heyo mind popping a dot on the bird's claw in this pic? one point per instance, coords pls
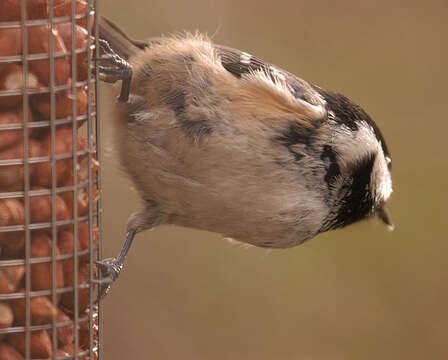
(111, 68)
(109, 271)
(110, 63)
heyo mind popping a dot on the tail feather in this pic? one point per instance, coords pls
(119, 41)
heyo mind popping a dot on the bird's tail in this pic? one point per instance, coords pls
(119, 41)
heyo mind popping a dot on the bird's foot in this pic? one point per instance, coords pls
(111, 68)
(109, 271)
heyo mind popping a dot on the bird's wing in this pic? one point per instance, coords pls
(295, 94)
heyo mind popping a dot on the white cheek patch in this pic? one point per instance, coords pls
(381, 176)
(355, 145)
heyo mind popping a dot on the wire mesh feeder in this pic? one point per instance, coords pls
(49, 180)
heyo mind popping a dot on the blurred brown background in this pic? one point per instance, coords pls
(357, 293)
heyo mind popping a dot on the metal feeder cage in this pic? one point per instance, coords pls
(50, 225)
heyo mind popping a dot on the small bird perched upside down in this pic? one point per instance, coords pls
(216, 139)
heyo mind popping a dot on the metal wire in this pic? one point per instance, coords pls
(26, 191)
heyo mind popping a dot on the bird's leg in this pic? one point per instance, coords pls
(111, 68)
(110, 268)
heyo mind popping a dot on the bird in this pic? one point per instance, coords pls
(216, 139)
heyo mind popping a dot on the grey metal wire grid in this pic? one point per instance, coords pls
(25, 193)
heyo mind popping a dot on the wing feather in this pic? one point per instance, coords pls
(265, 80)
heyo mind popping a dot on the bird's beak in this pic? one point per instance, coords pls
(384, 216)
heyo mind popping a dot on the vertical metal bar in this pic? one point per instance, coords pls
(26, 168)
(75, 182)
(53, 170)
(99, 175)
(90, 180)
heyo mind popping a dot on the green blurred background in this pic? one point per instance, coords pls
(356, 293)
